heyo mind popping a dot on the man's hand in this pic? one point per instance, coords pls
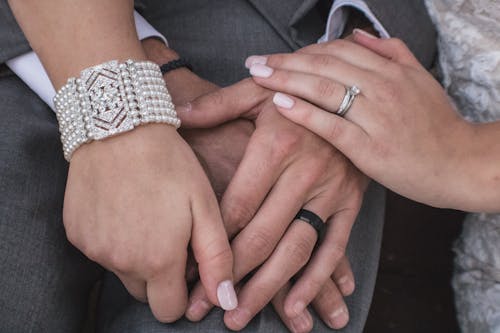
(285, 168)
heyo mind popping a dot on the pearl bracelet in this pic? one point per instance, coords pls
(110, 99)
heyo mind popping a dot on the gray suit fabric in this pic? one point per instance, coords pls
(44, 282)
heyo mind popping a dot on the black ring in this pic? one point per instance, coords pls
(312, 219)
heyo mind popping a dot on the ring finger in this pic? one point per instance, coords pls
(323, 92)
(291, 254)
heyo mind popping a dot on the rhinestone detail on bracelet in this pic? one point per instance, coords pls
(110, 99)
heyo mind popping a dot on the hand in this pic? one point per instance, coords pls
(132, 204)
(220, 150)
(306, 171)
(401, 130)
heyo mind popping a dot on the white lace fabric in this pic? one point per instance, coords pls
(469, 59)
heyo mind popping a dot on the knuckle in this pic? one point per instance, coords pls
(327, 89)
(259, 244)
(237, 212)
(388, 91)
(324, 60)
(155, 263)
(337, 252)
(94, 252)
(396, 71)
(284, 142)
(216, 98)
(276, 60)
(217, 253)
(334, 131)
(299, 252)
(120, 261)
(340, 44)
(313, 285)
(397, 43)
(282, 78)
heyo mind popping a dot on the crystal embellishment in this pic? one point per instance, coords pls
(110, 99)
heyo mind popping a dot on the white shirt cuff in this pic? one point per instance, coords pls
(29, 68)
(338, 17)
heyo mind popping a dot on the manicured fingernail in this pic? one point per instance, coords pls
(227, 296)
(197, 309)
(240, 317)
(301, 323)
(364, 33)
(283, 101)
(299, 307)
(261, 71)
(252, 60)
(339, 318)
(346, 285)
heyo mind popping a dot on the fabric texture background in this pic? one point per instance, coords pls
(469, 58)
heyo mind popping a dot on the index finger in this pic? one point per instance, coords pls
(238, 100)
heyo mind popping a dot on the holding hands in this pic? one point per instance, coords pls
(285, 168)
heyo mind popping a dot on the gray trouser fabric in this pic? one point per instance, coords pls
(44, 281)
(217, 38)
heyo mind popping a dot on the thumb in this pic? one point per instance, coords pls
(212, 251)
(238, 100)
(392, 48)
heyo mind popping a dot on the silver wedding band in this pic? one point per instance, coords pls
(348, 100)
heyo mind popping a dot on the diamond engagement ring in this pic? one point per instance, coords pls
(349, 97)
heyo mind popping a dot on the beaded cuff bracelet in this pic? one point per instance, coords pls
(110, 99)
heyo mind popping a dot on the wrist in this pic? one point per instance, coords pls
(145, 140)
(157, 51)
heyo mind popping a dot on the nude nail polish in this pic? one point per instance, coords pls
(364, 33)
(227, 295)
(283, 101)
(253, 60)
(259, 70)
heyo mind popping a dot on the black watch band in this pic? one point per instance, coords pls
(175, 64)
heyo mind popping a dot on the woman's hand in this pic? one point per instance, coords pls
(133, 203)
(401, 130)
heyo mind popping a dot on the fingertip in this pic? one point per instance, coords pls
(363, 35)
(294, 308)
(339, 318)
(347, 286)
(283, 101)
(302, 323)
(253, 60)
(237, 319)
(197, 310)
(226, 295)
